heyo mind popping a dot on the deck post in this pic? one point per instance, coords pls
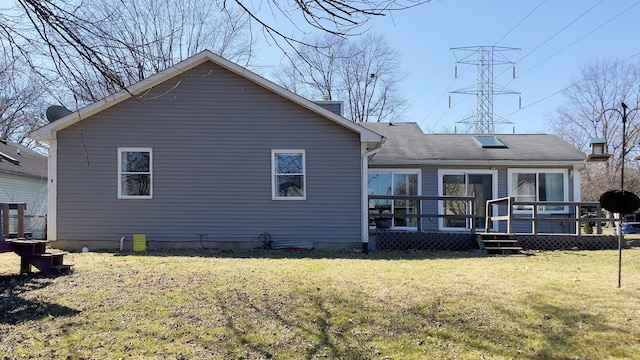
(534, 224)
(419, 217)
(25, 266)
(5, 220)
(510, 213)
(578, 222)
(20, 221)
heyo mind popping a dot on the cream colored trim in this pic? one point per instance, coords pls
(52, 191)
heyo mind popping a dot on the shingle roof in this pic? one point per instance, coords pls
(407, 144)
(20, 160)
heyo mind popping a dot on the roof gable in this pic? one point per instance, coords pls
(48, 131)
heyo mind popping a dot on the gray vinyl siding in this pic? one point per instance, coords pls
(212, 133)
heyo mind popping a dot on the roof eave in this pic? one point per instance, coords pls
(503, 163)
(48, 131)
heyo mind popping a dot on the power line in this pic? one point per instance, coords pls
(580, 38)
(561, 30)
(566, 47)
(520, 22)
(570, 86)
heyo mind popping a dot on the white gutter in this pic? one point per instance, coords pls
(365, 194)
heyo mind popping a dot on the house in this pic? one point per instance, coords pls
(207, 154)
(527, 167)
(23, 179)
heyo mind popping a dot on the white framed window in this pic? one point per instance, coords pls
(479, 183)
(394, 182)
(289, 181)
(539, 185)
(135, 173)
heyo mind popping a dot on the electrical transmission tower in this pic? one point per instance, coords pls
(485, 58)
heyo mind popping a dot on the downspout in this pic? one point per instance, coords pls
(365, 196)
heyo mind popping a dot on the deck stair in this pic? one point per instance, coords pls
(34, 253)
(499, 244)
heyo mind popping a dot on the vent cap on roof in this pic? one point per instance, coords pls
(55, 112)
(9, 158)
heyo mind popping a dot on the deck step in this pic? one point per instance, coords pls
(503, 247)
(59, 269)
(33, 253)
(23, 241)
(502, 244)
(45, 255)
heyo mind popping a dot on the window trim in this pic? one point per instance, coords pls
(393, 171)
(274, 182)
(122, 150)
(537, 171)
(465, 172)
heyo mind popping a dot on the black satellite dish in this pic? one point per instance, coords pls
(624, 202)
(55, 112)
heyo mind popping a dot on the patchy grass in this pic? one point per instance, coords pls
(260, 305)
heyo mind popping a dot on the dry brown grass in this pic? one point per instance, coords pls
(260, 305)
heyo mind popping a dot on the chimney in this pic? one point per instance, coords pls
(333, 106)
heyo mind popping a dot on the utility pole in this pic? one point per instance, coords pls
(485, 58)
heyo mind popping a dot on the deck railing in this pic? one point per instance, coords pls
(529, 211)
(501, 209)
(469, 208)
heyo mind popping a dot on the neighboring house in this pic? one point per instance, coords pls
(207, 153)
(23, 179)
(528, 167)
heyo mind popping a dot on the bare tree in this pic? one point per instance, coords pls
(76, 38)
(588, 114)
(364, 72)
(20, 102)
(97, 47)
(100, 47)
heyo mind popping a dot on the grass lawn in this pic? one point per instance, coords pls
(307, 305)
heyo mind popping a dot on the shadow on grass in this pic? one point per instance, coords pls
(565, 328)
(549, 331)
(323, 331)
(15, 308)
(324, 324)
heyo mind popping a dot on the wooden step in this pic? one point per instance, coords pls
(34, 253)
(46, 255)
(501, 244)
(28, 246)
(59, 269)
(495, 242)
(23, 241)
(503, 247)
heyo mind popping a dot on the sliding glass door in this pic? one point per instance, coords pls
(480, 184)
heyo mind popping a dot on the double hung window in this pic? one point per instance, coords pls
(135, 176)
(288, 178)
